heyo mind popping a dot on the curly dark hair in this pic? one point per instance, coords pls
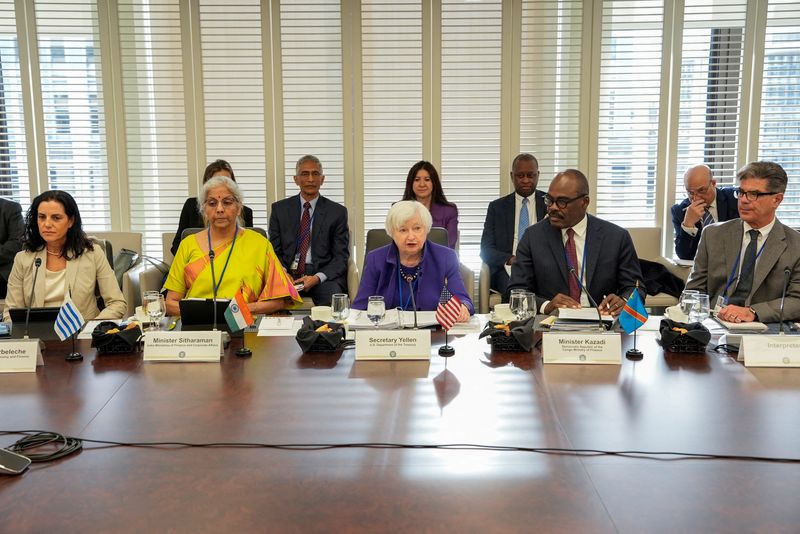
(77, 241)
(438, 194)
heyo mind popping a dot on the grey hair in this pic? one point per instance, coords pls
(220, 181)
(402, 211)
(773, 173)
(305, 159)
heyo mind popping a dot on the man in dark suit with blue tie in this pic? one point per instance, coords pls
(705, 205)
(571, 245)
(310, 235)
(508, 217)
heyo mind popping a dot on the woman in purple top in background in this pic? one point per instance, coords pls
(424, 186)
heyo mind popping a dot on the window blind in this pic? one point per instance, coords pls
(72, 103)
(630, 77)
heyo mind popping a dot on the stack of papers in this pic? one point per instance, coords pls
(393, 319)
(279, 326)
(578, 319)
(754, 326)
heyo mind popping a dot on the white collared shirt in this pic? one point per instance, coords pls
(763, 233)
(580, 245)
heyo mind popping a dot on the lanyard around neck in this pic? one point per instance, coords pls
(221, 276)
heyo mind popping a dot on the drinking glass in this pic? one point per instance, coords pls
(340, 306)
(700, 309)
(376, 309)
(688, 298)
(530, 304)
(518, 304)
(154, 305)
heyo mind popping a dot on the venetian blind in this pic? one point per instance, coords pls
(710, 89)
(155, 124)
(14, 179)
(391, 65)
(471, 76)
(779, 135)
(72, 103)
(311, 58)
(550, 84)
(230, 36)
(630, 77)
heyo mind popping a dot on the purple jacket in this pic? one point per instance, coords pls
(380, 277)
(446, 217)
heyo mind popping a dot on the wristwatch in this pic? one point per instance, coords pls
(755, 315)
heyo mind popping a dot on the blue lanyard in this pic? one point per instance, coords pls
(745, 268)
(583, 263)
(400, 288)
(221, 276)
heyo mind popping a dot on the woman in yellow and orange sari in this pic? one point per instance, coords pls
(243, 259)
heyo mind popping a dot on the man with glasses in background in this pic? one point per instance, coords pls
(743, 264)
(705, 205)
(508, 217)
(311, 237)
(571, 245)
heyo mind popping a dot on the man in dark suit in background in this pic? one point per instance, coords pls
(506, 220)
(310, 235)
(571, 245)
(705, 205)
(11, 228)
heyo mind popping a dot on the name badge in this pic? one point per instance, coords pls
(20, 356)
(393, 345)
(577, 347)
(770, 351)
(183, 346)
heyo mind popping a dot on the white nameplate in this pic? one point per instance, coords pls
(770, 351)
(582, 347)
(393, 345)
(20, 356)
(183, 346)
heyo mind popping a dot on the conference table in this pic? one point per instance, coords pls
(496, 405)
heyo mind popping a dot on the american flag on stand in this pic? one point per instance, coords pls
(449, 308)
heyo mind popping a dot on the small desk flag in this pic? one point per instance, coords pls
(449, 308)
(237, 314)
(69, 320)
(633, 313)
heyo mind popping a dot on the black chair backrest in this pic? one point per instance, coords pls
(377, 237)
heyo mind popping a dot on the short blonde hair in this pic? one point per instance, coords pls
(402, 211)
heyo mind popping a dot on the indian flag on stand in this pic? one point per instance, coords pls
(238, 314)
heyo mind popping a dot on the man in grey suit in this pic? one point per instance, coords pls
(743, 263)
(506, 221)
(310, 235)
(570, 245)
(11, 228)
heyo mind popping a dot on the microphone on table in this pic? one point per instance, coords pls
(786, 273)
(413, 300)
(591, 300)
(38, 263)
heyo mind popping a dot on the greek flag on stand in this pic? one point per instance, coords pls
(69, 320)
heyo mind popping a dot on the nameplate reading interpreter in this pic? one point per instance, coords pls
(582, 347)
(770, 351)
(393, 345)
(183, 346)
(20, 356)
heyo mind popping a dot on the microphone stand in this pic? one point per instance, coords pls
(786, 273)
(591, 300)
(414, 304)
(38, 263)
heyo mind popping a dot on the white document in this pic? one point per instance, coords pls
(753, 326)
(393, 319)
(279, 326)
(582, 314)
(470, 327)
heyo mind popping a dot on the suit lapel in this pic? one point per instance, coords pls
(773, 248)
(556, 246)
(731, 249)
(592, 246)
(508, 213)
(73, 268)
(40, 291)
(317, 224)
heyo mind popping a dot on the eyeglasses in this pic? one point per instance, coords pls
(227, 203)
(698, 191)
(529, 175)
(752, 196)
(310, 174)
(561, 202)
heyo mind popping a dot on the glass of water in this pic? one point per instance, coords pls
(688, 298)
(376, 309)
(517, 303)
(340, 306)
(156, 308)
(530, 304)
(700, 309)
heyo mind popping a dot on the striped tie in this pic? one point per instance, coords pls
(708, 219)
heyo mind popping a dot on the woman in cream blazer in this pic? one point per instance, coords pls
(69, 262)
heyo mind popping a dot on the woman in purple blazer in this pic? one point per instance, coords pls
(424, 186)
(411, 263)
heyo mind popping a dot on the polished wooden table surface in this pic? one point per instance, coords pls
(683, 403)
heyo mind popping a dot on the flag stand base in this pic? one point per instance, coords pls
(74, 357)
(244, 352)
(445, 351)
(634, 354)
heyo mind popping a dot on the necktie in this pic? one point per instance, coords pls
(707, 218)
(572, 257)
(305, 239)
(746, 272)
(524, 219)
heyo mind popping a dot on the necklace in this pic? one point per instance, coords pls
(409, 273)
(52, 253)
